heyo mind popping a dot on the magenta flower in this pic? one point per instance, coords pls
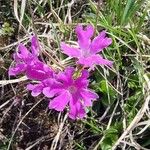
(37, 89)
(70, 91)
(27, 62)
(87, 51)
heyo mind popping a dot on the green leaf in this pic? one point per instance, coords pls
(111, 135)
(129, 5)
(109, 94)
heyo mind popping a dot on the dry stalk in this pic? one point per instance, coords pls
(108, 126)
(68, 16)
(11, 139)
(137, 118)
(56, 139)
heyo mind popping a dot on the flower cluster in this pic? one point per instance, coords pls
(68, 88)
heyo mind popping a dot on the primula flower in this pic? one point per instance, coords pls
(29, 63)
(88, 49)
(70, 91)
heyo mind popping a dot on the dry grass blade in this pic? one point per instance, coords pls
(144, 38)
(68, 16)
(56, 139)
(146, 123)
(23, 4)
(13, 44)
(37, 142)
(5, 82)
(137, 118)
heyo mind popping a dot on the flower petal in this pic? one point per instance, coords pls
(19, 68)
(82, 81)
(66, 76)
(35, 88)
(48, 92)
(84, 36)
(94, 60)
(34, 46)
(81, 111)
(88, 96)
(76, 110)
(38, 71)
(102, 61)
(30, 86)
(99, 43)
(22, 53)
(35, 74)
(60, 102)
(70, 51)
(36, 92)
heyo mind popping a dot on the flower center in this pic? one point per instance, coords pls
(72, 89)
(86, 53)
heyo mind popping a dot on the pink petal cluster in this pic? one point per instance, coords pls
(27, 62)
(87, 51)
(65, 89)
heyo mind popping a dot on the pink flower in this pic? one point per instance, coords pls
(38, 88)
(27, 62)
(72, 92)
(88, 49)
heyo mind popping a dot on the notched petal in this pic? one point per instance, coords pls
(100, 42)
(60, 102)
(70, 51)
